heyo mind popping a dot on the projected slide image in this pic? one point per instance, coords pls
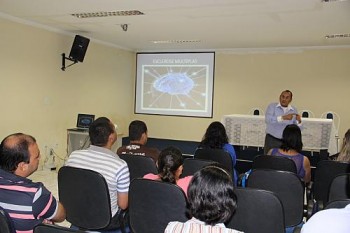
(175, 87)
(175, 84)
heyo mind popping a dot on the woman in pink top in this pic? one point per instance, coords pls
(170, 165)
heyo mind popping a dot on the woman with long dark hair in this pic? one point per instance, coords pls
(291, 148)
(215, 137)
(212, 202)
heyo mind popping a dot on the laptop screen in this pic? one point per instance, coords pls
(85, 120)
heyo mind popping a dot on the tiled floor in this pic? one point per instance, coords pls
(49, 179)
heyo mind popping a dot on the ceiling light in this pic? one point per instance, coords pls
(335, 36)
(107, 14)
(174, 41)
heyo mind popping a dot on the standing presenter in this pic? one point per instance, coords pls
(277, 117)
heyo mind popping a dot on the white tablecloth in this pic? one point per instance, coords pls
(249, 130)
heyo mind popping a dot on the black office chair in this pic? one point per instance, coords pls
(287, 186)
(257, 211)
(339, 188)
(192, 165)
(337, 204)
(85, 196)
(139, 165)
(326, 171)
(217, 155)
(6, 224)
(274, 162)
(305, 115)
(49, 228)
(153, 204)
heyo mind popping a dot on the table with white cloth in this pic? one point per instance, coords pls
(249, 130)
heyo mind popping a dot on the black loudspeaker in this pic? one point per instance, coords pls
(79, 47)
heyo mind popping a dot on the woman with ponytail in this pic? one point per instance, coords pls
(170, 165)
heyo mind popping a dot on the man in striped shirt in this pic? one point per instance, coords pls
(27, 203)
(99, 158)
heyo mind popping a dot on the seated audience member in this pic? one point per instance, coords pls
(99, 158)
(212, 202)
(291, 148)
(138, 139)
(344, 154)
(170, 166)
(215, 137)
(329, 220)
(27, 203)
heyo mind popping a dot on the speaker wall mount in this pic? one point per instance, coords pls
(77, 52)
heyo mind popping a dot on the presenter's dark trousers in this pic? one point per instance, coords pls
(271, 142)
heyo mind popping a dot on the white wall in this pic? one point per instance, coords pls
(40, 99)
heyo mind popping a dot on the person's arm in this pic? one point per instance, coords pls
(270, 152)
(123, 183)
(47, 207)
(123, 200)
(229, 148)
(307, 168)
(60, 215)
(270, 114)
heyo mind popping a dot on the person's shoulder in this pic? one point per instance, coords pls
(227, 145)
(151, 176)
(185, 180)
(154, 149)
(174, 226)
(273, 104)
(120, 149)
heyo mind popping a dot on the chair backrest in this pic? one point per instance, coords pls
(217, 155)
(6, 224)
(337, 204)
(257, 211)
(339, 188)
(325, 172)
(256, 112)
(85, 196)
(287, 186)
(274, 162)
(153, 204)
(192, 165)
(50, 228)
(139, 165)
(306, 113)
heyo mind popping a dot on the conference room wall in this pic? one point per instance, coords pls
(40, 99)
(318, 78)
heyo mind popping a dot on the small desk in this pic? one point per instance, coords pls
(79, 139)
(249, 130)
